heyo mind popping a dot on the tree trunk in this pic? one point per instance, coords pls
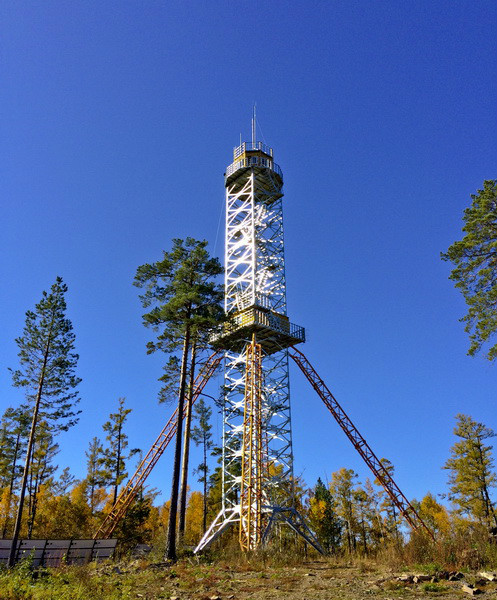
(32, 490)
(349, 540)
(489, 509)
(92, 499)
(11, 487)
(186, 448)
(32, 516)
(39, 479)
(29, 450)
(204, 516)
(394, 521)
(173, 510)
(364, 542)
(490, 506)
(118, 461)
(29, 488)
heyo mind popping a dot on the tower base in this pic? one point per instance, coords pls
(282, 514)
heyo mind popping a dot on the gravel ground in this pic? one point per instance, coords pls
(316, 580)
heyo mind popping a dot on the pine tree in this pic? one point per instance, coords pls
(170, 380)
(94, 476)
(47, 364)
(364, 516)
(114, 456)
(475, 272)
(202, 435)
(64, 482)
(215, 486)
(7, 450)
(471, 470)
(185, 302)
(323, 518)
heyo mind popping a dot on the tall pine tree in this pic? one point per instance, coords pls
(184, 301)
(94, 476)
(114, 456)
(47, 364)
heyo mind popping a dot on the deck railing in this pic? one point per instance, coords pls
(253, 161)
(250, 147)
(262, 318)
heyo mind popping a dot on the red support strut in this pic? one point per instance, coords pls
(401, 502)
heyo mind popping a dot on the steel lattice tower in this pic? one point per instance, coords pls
(257, 436)
(256, 341)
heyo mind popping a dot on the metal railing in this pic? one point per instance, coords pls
(253, 161)
(245, 300)
(250, 147)
(270, 320)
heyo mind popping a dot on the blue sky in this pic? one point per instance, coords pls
(118, 120)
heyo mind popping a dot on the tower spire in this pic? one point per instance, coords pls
(254, 121)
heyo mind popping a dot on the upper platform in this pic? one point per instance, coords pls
(252, 155)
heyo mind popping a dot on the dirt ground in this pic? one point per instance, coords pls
(313, 580)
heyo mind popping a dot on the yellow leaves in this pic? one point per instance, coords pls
(164, 514)
(194, 517)
(316, 509)
(6, 507)
(100, 496)
(434, 514)
(60, 516)
(153, 521)
(107, 501)
(78, 493)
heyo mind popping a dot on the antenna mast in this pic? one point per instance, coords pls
(253, 126)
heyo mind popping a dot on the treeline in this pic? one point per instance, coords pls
(59, 505)
(184, 305)
(346, 515)
(50, 490)
(361, 519)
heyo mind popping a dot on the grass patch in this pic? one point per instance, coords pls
(435, 588)
(428, 568)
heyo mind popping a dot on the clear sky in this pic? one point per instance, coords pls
(118, 119)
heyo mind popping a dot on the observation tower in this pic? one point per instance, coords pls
(255, 344)
(257, 473)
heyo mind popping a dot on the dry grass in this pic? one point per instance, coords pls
(294, 575)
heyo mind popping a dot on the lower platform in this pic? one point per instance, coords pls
(274, 331)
